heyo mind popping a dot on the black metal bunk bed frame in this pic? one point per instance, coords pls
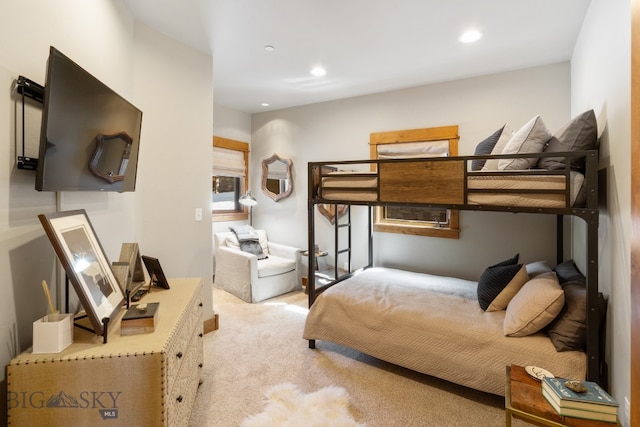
(596, 306)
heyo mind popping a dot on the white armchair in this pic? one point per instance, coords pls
(252, 280)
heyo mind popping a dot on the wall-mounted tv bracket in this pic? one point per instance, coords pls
(30, 89)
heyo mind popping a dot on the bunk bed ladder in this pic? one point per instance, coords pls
(337, 248)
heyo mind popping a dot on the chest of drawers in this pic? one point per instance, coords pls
(133, 380)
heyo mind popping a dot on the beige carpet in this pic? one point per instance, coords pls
(260, 345)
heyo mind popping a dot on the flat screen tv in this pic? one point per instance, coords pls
(90, 135)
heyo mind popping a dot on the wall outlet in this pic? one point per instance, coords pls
(198, 214)
(627, 411)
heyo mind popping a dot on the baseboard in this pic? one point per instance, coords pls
(211, 324)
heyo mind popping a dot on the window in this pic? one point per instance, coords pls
(229, 179)
(436, 222)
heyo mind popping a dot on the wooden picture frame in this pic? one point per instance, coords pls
(130, 256)
(156, 275)
(88, 269)
(280, 185)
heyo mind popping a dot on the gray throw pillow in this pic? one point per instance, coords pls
(253, 247)
(249, 240)
(569, 330)
(580, 134)
(484, 148)
(567, 271)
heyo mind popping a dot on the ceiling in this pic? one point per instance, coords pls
(366, 46)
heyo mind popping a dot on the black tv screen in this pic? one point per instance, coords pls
(90, 135)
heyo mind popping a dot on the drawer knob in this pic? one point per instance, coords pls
(200, 334)
(179, 398)
(200, 305)
(179, 355)
(199, 365)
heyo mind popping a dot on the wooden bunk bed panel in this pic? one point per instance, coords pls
(439, 182)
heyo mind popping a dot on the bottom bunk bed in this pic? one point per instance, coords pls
(435, 325)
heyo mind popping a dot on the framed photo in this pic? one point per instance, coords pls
(81, 254)
(156, 274)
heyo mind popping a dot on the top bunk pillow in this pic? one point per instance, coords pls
(580, 134)
(505, 136)
(484, 148)
(530, 138)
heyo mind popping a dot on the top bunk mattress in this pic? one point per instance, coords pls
(433, 325)
(542, 191)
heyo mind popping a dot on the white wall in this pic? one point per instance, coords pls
(150, 71)
(600, 78)
(340, 130)
(231, 124)
(174, 86)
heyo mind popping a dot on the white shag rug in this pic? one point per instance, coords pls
(287, 406)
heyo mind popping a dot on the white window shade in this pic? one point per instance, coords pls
(228, 162)
(413, 149)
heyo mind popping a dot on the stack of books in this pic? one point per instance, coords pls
(594, 404)
(139, 319)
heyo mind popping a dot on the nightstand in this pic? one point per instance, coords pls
(523, 399)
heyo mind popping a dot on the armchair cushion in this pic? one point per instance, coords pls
(275, 265)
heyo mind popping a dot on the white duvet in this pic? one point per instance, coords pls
(433, 325)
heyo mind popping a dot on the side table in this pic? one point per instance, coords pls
(318, 254)
(523, 399)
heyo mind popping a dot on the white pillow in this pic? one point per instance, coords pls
(536, 268)
(530, 138)
(535, 305)
(505, 136)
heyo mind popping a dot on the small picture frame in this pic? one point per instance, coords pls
(156, 275)
(88, 269)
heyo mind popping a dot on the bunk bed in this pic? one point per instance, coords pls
(433, 324)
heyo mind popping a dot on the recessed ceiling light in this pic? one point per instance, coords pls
(269, 48)
(318, 71)
(264, 104)
(470, 36)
